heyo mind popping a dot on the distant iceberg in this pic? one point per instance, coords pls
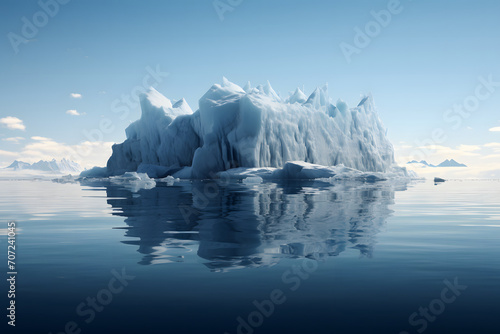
(251, 128)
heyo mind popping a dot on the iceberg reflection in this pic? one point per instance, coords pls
(237, 225)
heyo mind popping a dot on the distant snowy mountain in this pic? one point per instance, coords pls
(451, 163)
(62, 166)
(446, 163)
(423, 163)
(19, 165)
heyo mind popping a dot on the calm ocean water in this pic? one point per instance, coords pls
(296, 257)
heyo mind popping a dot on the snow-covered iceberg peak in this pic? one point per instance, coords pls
(319, 98)
(156, 99)
(270, 92)
(251, 127)
(297, 97)
(154, 104)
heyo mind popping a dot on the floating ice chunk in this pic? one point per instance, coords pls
(65, 179)
(169, 180)
(134, 181)
(253, 180)
(242, 173)
(303, 170)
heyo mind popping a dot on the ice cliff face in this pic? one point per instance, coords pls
(251, 128)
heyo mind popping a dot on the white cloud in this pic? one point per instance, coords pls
(15, 140)
(494, 146)
(38, 138)
(469, 148)
(73, 112)
(87, 154)
(451, 153)
(76, 95)
(495, 129)
(8, 153)
(491, 156)
(12, 123)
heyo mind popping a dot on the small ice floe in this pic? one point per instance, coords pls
(439, 180)
(169, 180)
(65, 179)
(252, 180)
(133, 181)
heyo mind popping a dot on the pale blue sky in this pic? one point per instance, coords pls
(426, 59)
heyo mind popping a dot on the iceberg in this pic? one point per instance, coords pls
(237, 129)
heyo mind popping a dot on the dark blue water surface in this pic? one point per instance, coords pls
(293, 257)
